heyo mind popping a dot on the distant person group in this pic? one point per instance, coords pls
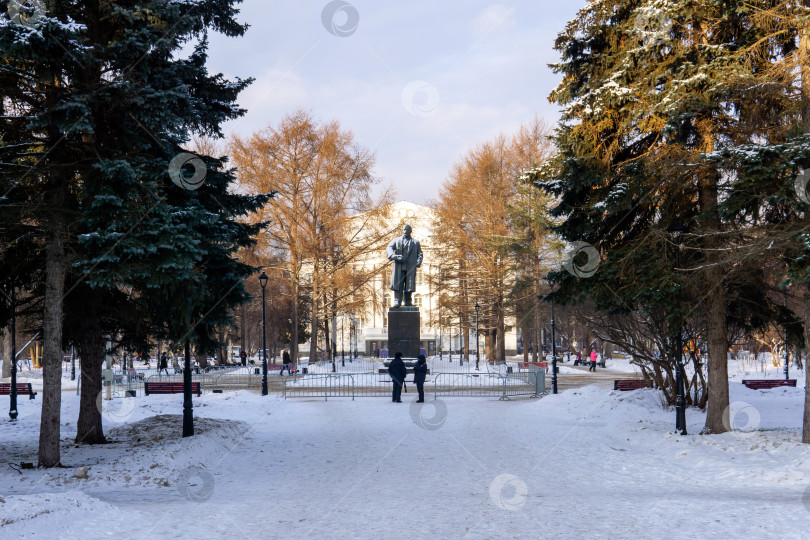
(398, 372)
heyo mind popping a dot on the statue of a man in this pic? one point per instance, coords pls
(406, 253)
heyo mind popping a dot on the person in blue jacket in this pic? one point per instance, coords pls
(397, 371)
(419, 374)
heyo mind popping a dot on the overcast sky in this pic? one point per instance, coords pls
(419, 82)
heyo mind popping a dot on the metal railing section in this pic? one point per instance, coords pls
(440, 384)
(320, 385)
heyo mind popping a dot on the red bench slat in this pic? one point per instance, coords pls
(22, 389)
(764, 384)
(170, 388)
(625, 385)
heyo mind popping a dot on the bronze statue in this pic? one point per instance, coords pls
(406, 253)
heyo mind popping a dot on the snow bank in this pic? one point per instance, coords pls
(69, 512)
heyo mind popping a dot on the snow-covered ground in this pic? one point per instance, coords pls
(587, 463)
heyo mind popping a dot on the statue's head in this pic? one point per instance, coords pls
(406, 230)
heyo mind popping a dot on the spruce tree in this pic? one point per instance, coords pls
(649, 90)
(148, 255)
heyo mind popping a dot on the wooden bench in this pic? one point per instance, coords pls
(525, 365)
(23, 388)
(625, 385)
(169, 388)
(409, 371)
(764, 384)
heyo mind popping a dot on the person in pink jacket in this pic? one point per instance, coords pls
(593, 361)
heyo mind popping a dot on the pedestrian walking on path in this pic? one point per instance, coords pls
(163, 364)
(419, 374)
(285, 363)
(593, 362)
(397, 371)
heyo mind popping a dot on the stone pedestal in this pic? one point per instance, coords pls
(403, 331)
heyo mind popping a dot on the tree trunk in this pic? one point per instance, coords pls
(243, 346)
(313, 338)
(525, 332)
(55, 266)
(489, 342)
(294, 323)
(588, 340)
(717, 336)
(89, 428)
(466, 342)
(804, 59)
(501, 336)
(806, 423)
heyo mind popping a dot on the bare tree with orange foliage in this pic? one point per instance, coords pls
(324, 181)
(491, 226)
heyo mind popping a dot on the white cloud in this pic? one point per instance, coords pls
(495, 19)
(485, 86)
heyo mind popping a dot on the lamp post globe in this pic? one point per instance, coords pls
(263, 282)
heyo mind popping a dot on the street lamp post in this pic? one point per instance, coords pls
(263, 282)
(12, 407)
(188, 407)
(343, 343)
(477, 308)
(72, 363)
(553, 352)
(677, 229)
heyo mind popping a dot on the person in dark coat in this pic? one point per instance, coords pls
(285, 363)
(419, 374)
(397, 371)
(163, 365)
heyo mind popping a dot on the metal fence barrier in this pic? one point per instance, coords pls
(440, 384)
(246, 378)
(491, 381)
(321, 385)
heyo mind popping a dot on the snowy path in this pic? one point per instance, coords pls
(587, 463)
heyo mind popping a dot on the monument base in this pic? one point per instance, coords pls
(403, 331)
